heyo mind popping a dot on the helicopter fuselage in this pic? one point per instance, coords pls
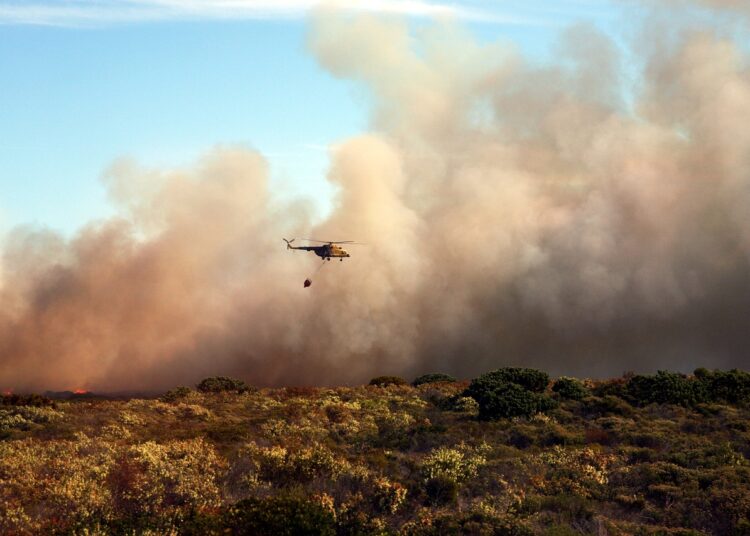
(326, 251)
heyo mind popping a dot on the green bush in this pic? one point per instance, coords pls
(283, 515)
(499, 399)
(176, 394)
(702, 372)
(666, 388)
(608, 405)
(433, 378)
(560, 530)
(731, 387)
(570, 388)
(570, 507)
(520, 438)
(221, 384)
(612, 387)
(196, 523)
(441, 491)
(384, 381)
(477, 522)
(530, 379)
(559, 435)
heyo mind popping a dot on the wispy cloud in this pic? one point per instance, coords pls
(103, 12)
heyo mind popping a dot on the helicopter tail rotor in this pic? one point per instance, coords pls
(288, 243)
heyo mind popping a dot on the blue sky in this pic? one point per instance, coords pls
(162, 81)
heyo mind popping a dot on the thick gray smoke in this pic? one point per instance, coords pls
(555, 216)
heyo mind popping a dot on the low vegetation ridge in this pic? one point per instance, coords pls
(512, 452)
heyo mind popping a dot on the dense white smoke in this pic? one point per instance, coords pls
(515, 214)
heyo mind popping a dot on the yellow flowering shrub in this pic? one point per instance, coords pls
(129, 418)
(259, 402)
(354, 428)
(389, 496)
(466, 404)
(397, 420)
(578, 471)
(456, 464)
(42, 484)
(23, 417)
(193, 411)
(326, 501)
(304, 430)
(333, 400)
(280, 465)
(157, 467)
(116, 431)
(10, 420)
(155, 478)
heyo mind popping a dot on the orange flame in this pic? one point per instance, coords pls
(80, 391)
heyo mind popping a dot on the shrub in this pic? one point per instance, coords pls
(732, 387)
(282, 466)
(26, 400)
(46, 482)
(477, 521)
(432, 378)
(560, 530)
(612, 387)
(597, 435)
(570, 507)
(24, 417)
(284, 515)
(499, 399)
(609, 405)
(300, 392)
(220, 384)
(196, 523)
(666, 388)
(519, 438)
(465, 404)
(10, 421)
(176, 394)
(441, 491)
(558, 435)
(702, 373)
(530, 379)
(388, 496)
(570, 388)
(384, 381)
(457, 464)
(157, 479)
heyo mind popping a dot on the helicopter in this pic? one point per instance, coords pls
(326, 250)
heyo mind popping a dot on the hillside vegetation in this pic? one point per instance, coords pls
(512, 452)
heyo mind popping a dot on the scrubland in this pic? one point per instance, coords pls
(511, 453)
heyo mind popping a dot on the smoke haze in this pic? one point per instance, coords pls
(570, 217)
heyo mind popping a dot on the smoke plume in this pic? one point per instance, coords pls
(561, 216)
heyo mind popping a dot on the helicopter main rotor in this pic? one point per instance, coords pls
(331, 241)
